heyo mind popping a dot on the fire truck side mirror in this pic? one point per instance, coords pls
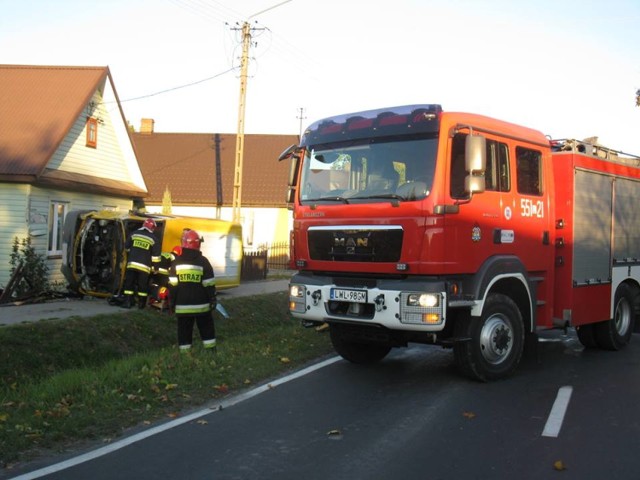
(291, 195)
(474, 184)
(475, 160)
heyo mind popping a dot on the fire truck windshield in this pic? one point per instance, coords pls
(372, 170)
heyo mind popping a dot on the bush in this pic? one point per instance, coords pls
(34, 274)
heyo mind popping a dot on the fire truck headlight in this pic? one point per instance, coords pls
(420, 308)
(297, 298)
(296, 291)
(426, 300)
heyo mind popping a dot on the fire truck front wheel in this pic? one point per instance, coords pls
(496, 340)
(355, 351)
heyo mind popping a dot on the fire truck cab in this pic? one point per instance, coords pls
(416, 225)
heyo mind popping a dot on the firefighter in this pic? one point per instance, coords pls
(143, 249)
(160, 279)
(192, 292)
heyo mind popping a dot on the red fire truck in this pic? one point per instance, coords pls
(414, 225)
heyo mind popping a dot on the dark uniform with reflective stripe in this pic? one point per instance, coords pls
(192, 292)
(144, 250)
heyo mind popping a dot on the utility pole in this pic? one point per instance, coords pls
(244, 66)
(301, 117)
(237, 177)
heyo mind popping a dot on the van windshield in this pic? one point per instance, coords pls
(370, 169)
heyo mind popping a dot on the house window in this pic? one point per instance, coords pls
(92, 132)
(57, 212)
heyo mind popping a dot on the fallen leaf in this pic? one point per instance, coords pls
(469, 415)
(202, 422)
(559, 465)
(222, 388)
(285, 360)
(171, 386)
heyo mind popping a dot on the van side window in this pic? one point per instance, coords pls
(497, 177)
(529, 171)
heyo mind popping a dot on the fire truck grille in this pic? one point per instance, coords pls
(356, 245)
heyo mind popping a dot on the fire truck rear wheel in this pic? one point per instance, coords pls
(356, 352)
(615, 333)
(496, 340)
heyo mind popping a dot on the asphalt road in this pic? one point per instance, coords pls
(411, 417)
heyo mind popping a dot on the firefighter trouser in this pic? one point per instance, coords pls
(206, 328)
(136, 281)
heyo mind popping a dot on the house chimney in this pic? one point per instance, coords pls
(146, 125)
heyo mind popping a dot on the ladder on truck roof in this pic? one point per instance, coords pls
(592, 148)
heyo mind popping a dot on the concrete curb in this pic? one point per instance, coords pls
(90, 306)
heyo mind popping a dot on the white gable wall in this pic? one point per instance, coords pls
(114, 157)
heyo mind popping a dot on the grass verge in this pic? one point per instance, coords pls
(66, 382)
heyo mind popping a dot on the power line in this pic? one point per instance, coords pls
(178, 87)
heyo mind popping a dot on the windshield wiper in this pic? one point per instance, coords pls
(392, 196)
(328, 199)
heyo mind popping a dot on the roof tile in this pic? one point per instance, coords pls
(185, 163)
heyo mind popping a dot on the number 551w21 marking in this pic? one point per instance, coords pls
(531, 208)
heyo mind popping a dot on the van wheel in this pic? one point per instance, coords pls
(615, 333)
(496, 340)
(356, 352)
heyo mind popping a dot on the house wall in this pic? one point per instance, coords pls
(39, 207)
(30, 215)
(259, 225)
(13, 223)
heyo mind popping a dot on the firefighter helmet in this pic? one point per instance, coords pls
(191, 239)
(149, 224)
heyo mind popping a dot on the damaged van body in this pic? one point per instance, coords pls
(94, 257)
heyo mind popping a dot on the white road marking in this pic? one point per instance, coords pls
(558, 411)
(174, 423)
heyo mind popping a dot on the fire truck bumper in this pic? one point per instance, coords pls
(418, 305)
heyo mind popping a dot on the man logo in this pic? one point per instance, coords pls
(350, 243)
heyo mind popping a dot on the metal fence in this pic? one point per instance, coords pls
(257, 262)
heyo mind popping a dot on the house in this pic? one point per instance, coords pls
(64, 145)
(193, 173)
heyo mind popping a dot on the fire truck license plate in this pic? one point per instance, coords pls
(342, 295)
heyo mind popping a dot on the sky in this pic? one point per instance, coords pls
(568, 68)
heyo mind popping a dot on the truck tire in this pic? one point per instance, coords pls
(615, 333)
(495, 340)
(356, 352)
(587, 335)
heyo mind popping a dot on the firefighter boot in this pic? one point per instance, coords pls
(127, 301)
(142, 302)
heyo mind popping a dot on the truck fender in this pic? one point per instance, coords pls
(507, 275)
